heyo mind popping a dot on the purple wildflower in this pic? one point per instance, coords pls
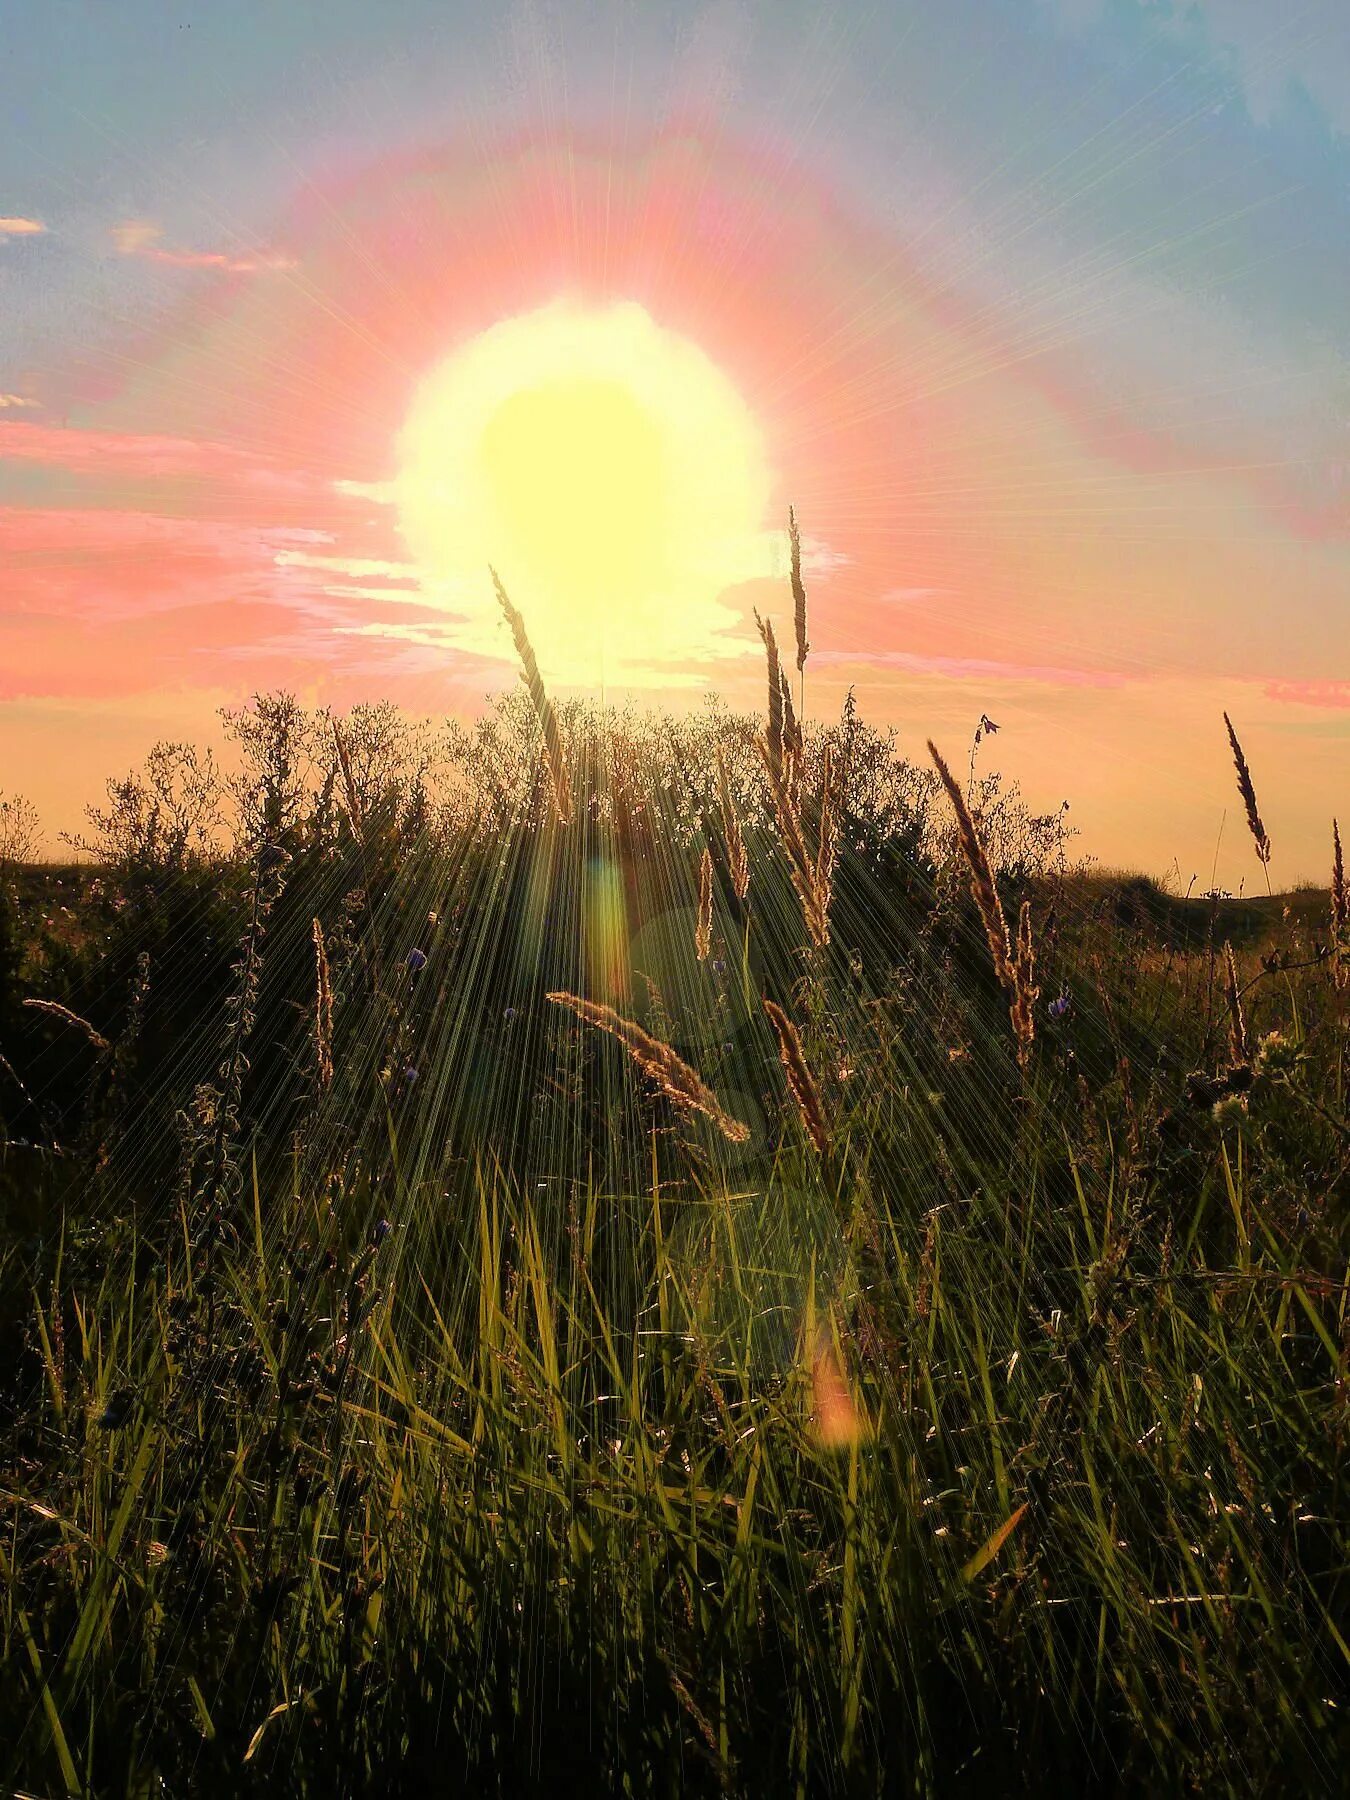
(1060, 1006)
(416, 959)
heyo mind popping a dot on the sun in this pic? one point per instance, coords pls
(611, 473)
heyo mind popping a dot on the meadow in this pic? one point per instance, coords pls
(598, 1253)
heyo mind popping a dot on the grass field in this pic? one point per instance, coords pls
(458, 1337)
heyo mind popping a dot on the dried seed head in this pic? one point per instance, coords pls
(543, 706)
(703, 930)
(800, 1080)
(798, 591)
(738, 863)
(55, 1010)
(775, 672)
(1340, 910)
(1025, 991)
(1248, 792)
(982, 884)
(323, 1009)
(659, 1063)
(351, 798)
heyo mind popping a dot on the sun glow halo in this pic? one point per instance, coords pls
(611, 473)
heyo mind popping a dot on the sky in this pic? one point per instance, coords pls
(1035, 312)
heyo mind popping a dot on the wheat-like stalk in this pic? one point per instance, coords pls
(1259, 833)
(827, 845)
(703, 930)
(798, 591)
(1340, 907)
(800, 866)
(738, 863)
(794, 748)
(351, 797)
(982, 885)
(676, 1080)
(323, 1009)
(775, 671)
(1239, 1051)
(1025, 991)
(543, 706)
(56, 1011)
(800, 1080)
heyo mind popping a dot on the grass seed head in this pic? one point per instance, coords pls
(659, 1062)
(798, 591)
(1260, 836)
(801, 1082)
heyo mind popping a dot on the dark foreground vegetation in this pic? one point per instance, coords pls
(413, 1385)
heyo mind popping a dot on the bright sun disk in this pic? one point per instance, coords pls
(610, 472)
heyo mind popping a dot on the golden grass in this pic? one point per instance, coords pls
(703, 930)
(351, 798)
(659, 1062)
(55, 1010)
(1015, 967)
(798, 591)
(543, 706)
(982, 886)
(801, 1082)
(323, 1009)
(1260, 836)
(801, 866)
(775, 731)
(1340, 906)
(738, 862)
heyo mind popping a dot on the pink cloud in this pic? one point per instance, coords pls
(110, 565)
(139, 237)
(21, 227)
(107, 601)
(71, 448)
(229, 476)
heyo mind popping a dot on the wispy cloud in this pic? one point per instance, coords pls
(963, 668)
(17, 400)
(142, 238)
(16, 227)
(1334, 694)
(357, 568)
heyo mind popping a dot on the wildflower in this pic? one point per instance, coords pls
(381, 1232)
(1059, 1007)
(509, 1014)
(410, 1073)
(416, 959)
(1275, 1054)
(719, 966)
